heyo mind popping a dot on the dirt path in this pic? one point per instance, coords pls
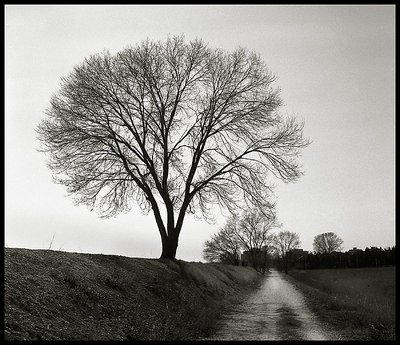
(277, 311)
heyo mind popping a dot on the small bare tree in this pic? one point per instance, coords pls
(254, 234)
(327, 242)
(224, 246)
(284, 242)
(251, 233)
(175, 127)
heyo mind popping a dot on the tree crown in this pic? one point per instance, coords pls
(170, 121)
(327, 242)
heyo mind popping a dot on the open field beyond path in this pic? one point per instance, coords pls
(360, 302)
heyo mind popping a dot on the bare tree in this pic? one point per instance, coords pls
(251, 232)
(327, 242)
(285, 241)
(254, 234)
(175, 127)
(224, 246)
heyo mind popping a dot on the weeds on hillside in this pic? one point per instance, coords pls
(53, 295)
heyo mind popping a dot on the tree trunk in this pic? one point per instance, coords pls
(286, 264)
(170, 238)
(169, 246)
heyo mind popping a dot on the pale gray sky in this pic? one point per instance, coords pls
(336, 71)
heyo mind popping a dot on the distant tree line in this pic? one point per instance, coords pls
(262, 249)
(247, 240)
(354, 258)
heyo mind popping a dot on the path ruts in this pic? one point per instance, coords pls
(276, 311)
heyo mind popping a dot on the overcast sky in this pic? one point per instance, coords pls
(336, 72)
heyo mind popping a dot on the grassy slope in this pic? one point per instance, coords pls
(53, 295)
(360, 302)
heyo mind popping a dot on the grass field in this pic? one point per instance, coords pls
(52, 295)
(360, 302)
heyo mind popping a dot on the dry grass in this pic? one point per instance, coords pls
(52, 295)
(358, 302)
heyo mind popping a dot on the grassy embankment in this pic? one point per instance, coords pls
(52, 295)
(359, 302)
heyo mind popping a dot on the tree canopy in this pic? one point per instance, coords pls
(327, 242)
